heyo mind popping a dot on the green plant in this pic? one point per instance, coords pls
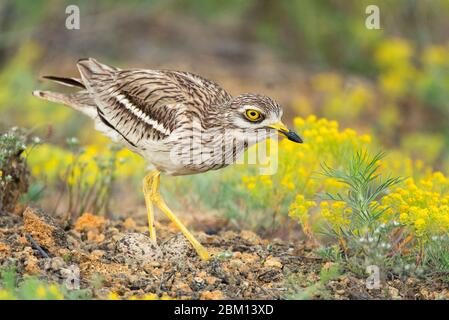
(14, 172)
(32, 288)
(366, 187)
(437, 255)
(364, 237)
(329, 272)
(354, 218)
(89, 183)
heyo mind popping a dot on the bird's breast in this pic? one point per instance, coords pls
(190, 154)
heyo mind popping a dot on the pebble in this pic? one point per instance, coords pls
(272, 262)
(137, 248)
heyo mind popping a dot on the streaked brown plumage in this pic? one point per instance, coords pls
(154, 112)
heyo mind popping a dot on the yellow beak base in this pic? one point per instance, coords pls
(282, 129)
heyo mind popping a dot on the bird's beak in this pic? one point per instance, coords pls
(282, 129)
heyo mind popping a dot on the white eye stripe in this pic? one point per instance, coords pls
(250, 107)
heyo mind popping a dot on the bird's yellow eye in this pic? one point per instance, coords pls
(253, 115)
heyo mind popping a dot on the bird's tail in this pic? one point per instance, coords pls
(80, 101)
(70, 82)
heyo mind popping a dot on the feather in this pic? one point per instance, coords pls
(71, 82)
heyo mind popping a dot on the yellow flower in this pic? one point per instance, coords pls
(6, 295)
(393, 83)
(41, 292)
(286, 182)
(336, 213)
(436, 55)
(393, 52)
(419, 225)
(113, 296)
(251, 185)
(403, 217)
(56, 293)
(422, 205)
(366, 138)
(299, 210)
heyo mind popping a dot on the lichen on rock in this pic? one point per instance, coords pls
(44, 230)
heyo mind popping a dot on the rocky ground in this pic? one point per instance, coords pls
(118, 257)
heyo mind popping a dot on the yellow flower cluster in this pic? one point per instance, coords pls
(250, 181)
(436, 55)
(394, 58)
(393, 53)
(422, 205)
(149, 296)
(399, 165)
(335, 213)
(53, 161)
(298, 166)
(299, 210)
(40, 292)
(51, 292)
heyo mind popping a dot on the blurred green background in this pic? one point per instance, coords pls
(314, 57)
(296, 51)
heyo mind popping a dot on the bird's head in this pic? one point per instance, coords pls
(251, 113)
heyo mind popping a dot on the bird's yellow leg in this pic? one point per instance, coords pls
(156, 197)
(148, 189)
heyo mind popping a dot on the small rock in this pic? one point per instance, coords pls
(211, 295)
(57, 263)
(426, 294)
(138, 248)
(394, 293)
(237, 255)
(4, 250)
(236, 263)
(210, 280)
(250, 236)
(114, 231)
(22, 240)
(182, 286)
(31, 263)
(95, 236)
(250, 258)
(272, 262)
(98, 254)
(340, 292)
(270, 275)
(129, 223)
(89, 221)
(198, 284)
(117, 237)
(44, 230)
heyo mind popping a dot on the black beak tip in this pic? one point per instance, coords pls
(293, 136)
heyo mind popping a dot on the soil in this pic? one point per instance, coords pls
(117, 256)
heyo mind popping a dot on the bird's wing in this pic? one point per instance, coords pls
(201, 91)
(146, 104)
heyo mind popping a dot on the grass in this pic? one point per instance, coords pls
(329, 272)
(31, 288)
(366, 187)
